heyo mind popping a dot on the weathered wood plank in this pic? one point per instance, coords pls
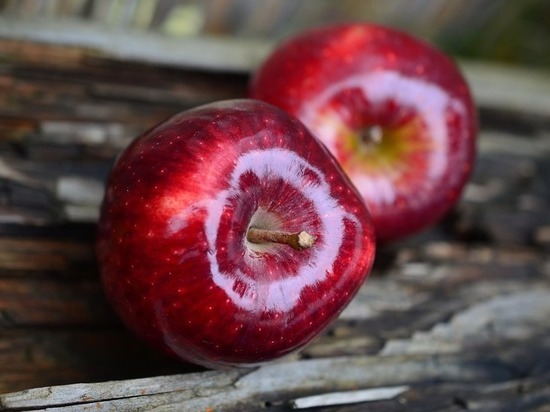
(516, 182)
(29, 357)
(29, 255)
(529, 394)
(521, 319)
(284, 380)
(215, 53)
(504, 88)
(456, 313)
(43, 302)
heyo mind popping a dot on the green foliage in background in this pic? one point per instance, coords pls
(518, 32)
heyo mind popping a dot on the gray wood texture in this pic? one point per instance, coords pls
(457, 315)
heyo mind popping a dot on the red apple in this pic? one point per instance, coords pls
(396, 113)
(229, 235)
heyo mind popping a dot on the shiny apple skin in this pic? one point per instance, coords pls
(342, 80)
(172, 248)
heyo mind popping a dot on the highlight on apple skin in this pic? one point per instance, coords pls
(229, 235)
(394, 111)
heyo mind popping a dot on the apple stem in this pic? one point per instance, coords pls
(299, 240)
(373, 135)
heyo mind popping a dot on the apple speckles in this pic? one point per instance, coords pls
(309, 177)
(391, 72)
(339, 189)
(290, 167)
(197, 291)
(381, 189)
(391, 57)
(420, 69)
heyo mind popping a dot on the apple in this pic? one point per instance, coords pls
(395, 112)
(228, 235)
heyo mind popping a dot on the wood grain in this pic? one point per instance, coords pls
(458, 314)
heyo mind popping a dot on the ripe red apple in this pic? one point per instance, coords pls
(395, 112)
(229, 235)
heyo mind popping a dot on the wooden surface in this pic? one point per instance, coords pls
(453, 319)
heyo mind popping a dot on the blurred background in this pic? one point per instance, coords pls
(508, 31)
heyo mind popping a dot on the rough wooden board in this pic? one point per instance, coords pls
(78, 194)
(219, 54)
(509, 88)
(494, 86)
(440, 302)
(465, 360)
